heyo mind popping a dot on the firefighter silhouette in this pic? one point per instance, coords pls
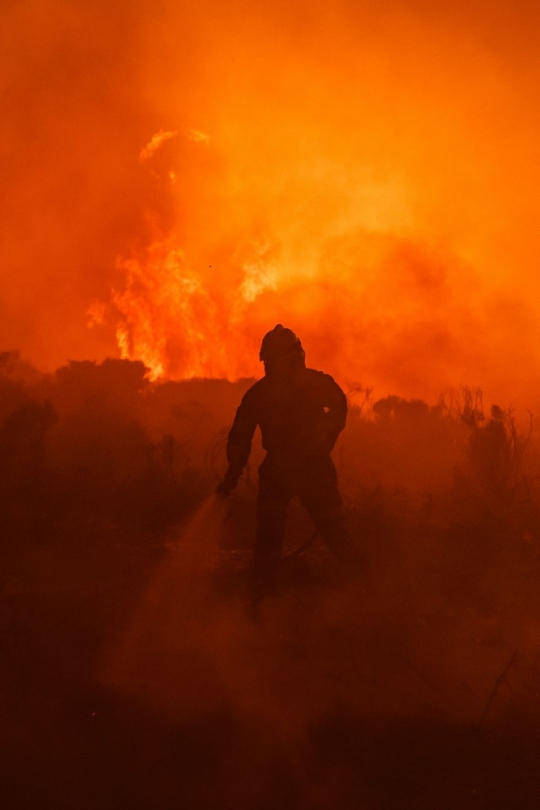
(300, 412)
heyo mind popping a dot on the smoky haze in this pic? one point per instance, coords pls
(365, 173)
(177, 179)
(134, 675)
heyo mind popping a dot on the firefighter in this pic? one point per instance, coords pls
(300, 413)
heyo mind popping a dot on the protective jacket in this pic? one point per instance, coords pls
(300, 419)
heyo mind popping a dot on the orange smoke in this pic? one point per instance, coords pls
(190, 177)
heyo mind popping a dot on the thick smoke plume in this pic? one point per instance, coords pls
(366, 173)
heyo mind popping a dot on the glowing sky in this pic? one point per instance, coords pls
(364, 172)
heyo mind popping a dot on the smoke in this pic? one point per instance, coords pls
(365, 173)
(172, 622)
(133, 669)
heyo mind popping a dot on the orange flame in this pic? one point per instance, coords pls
(172, 321)
(164, 303)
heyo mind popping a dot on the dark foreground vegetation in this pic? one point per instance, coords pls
(130, 674)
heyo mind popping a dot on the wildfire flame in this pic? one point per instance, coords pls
(172, 322)
(188, 315)
(164, 304)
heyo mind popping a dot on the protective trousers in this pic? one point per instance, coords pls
(315, 484)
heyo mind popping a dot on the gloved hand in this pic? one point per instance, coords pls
(229, 483)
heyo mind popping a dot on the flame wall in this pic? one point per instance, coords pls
(365, 174)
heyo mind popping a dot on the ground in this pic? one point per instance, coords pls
(401, 686)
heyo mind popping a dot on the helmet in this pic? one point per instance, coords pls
(280, 342)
